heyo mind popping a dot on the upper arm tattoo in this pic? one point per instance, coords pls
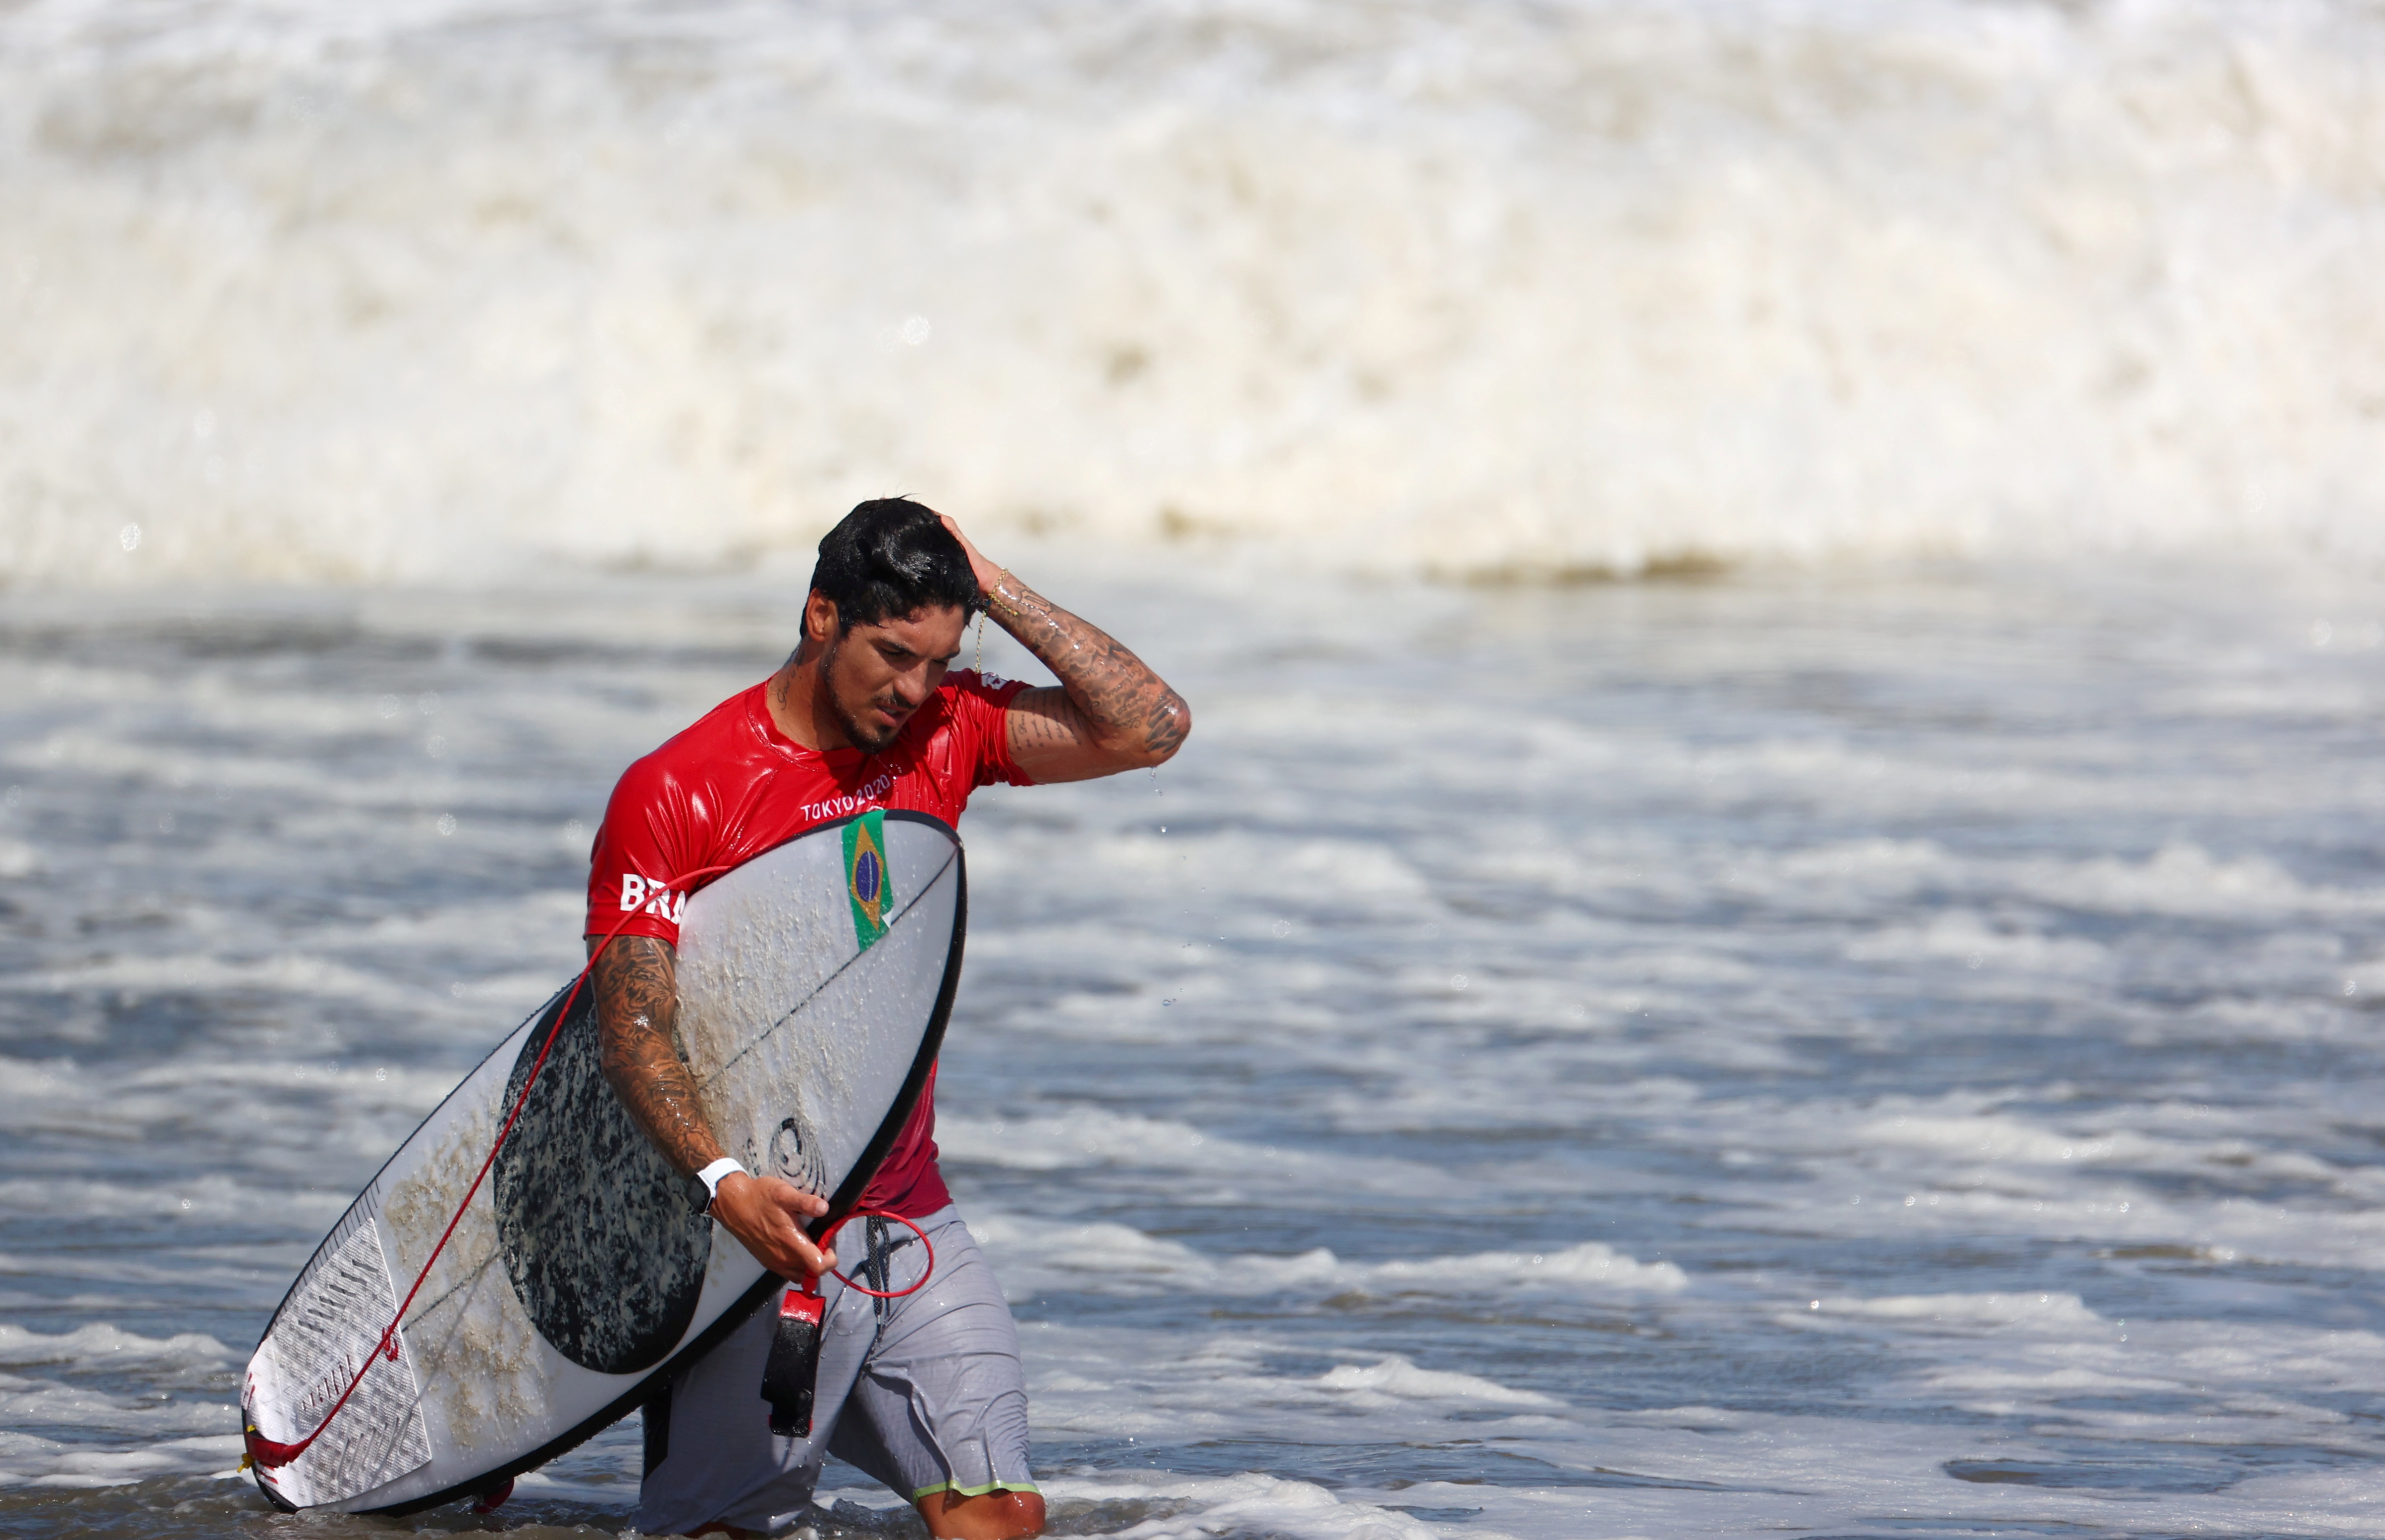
(637, 1026)
(1110, 711)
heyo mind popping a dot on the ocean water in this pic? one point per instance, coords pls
(1865, 1027)
(1862, 1054)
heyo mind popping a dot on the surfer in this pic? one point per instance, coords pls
(925, 1393)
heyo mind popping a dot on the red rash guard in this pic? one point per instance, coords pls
(732, 786)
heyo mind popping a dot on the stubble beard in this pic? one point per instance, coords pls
(854, 733)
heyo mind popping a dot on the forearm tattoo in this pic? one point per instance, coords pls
(637, 1022)
(1124, 704)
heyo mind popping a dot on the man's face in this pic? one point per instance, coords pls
(876, 676)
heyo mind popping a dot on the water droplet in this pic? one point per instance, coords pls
(446, 823)
(1166, 1002)
(2351, 987)
(456, 990)
(129, 537)
(186, 1203)
(427, 703)
(1974, 960)
(1282, 927)
(913, 331)
(1815, 1306)
(1457, 981)
(381, 1074)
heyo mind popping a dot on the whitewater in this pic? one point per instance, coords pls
(1773, 924)
(454, 291)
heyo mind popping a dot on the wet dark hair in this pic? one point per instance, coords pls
(889, 557)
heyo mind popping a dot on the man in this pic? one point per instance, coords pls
(925, 1393)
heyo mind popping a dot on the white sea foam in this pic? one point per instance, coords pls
(454, 291)
(1094, 1136)
(2046, 1312)
(35, 1403)
(1240, 1504)
(99, 1343)
(1394, 1377)
(25, 1460)
(1118, 1259)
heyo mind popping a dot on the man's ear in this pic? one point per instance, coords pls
(819, 618)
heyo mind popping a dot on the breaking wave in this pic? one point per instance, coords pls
(453, 292)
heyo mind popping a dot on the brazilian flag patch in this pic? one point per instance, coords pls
(865, 877)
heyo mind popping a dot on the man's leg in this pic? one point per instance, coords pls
(988, 1516)
(712, 1461)
(939, 1410)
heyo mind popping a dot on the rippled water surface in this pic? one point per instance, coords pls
(1858, 1056)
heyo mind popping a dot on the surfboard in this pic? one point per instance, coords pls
(815, 981)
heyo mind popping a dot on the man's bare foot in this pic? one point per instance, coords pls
(987, 1516)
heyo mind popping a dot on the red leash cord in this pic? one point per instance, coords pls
(272, 1456)
(925, 1274)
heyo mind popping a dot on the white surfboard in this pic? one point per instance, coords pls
(815, 981)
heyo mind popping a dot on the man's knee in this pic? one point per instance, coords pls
(999, 1515)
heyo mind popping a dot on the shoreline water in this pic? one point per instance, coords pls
(1478, 1090)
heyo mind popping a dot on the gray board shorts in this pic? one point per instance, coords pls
(924, 1393)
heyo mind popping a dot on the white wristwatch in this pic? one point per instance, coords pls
(712, 1176)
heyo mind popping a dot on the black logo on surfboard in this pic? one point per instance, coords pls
(797, 1161)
